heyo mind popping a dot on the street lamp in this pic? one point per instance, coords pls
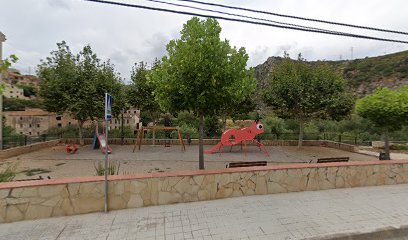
(2, 39)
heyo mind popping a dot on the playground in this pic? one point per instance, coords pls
(56, 163)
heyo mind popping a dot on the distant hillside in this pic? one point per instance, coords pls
(362, 75)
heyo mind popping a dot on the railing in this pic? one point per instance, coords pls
(23, 140)
(354, 139)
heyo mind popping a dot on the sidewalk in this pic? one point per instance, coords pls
(317, 215)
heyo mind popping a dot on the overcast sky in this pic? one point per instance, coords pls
(127, 35)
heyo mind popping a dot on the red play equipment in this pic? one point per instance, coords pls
(101, 138)
(232, 137)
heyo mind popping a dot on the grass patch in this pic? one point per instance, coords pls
(8, 174)
(113, 168)
(399, 147)
(34, 171)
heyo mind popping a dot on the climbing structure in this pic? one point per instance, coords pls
(232, 137)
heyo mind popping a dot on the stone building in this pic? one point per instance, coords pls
(14, 78)
(34, 122)
(131, 118)
(11, 91)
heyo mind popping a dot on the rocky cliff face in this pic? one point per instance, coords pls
(362, 75)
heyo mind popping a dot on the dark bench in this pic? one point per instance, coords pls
(333, 159)
(245, 164)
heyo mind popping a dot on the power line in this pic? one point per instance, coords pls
(296, 17)
(238, 15)
(247, 21)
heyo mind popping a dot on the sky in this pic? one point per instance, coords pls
(128, 35)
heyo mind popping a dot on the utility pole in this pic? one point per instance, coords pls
(2, 39)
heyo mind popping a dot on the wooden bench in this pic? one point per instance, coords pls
(245, 164)
(333, 159)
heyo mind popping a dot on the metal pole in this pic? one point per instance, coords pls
(106, 154)
(2, 39)
(106, 165)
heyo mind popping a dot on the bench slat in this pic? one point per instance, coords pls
(246, 164)
(334, 159)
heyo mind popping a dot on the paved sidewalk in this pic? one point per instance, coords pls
(299, 215)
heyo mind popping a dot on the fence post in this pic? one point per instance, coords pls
(340, 138)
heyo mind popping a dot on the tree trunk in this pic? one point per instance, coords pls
(201, 143)
(301, 125)
(81, 132)
(386, 146)
(224, 122)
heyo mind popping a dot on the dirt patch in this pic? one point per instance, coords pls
(162, 159)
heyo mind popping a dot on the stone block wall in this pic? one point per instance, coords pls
(61, 197)
(11, 152)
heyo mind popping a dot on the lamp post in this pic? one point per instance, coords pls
(2, 39)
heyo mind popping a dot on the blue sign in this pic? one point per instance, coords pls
(108, 107)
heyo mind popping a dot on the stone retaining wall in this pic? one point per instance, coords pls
(61, 197)
(11, 152)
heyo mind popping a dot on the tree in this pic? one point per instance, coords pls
(140, 93)
(387, 109)
(201, 74)
(4, 65)
(77, 84)
(304, 92)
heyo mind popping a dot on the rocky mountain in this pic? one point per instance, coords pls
(362, 75)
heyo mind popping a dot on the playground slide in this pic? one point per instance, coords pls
(102, 142)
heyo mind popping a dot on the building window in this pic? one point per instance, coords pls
(21, 132)
(17, 97)
(59, 125)
(30, 126)
(58, 118)
(127, 121)
(21, 118)
(69, 123)
(11, 91)
(38, 133)
(134, 112)
(29, 133)
(21, 125)
(38, 125)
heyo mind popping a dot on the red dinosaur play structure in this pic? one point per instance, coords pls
(232, 137)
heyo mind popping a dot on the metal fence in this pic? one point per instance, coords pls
(23, 140)
(354, 139)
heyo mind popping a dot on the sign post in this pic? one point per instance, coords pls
(108, 117)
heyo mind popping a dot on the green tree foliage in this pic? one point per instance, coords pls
(387, 109)
(29, 90)
(77, 84)
(296, 90)
(201, 73)
(140, 93)
(4, 65)
(15, 104)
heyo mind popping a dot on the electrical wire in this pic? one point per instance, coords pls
(238, 15)
(296, 17)
(246, 21)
